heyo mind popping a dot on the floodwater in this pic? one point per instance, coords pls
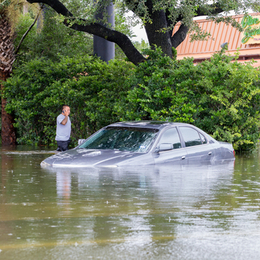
(181, 212)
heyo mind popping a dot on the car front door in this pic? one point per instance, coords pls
(169, 148)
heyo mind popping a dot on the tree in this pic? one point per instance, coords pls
(7, 58)
(159, 18)
(9, 13)
(50, 39)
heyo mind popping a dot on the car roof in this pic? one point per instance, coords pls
(156, 125)
(146, 124)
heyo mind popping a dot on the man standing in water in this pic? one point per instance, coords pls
(63, 129)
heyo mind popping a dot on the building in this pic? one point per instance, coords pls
(248, 42)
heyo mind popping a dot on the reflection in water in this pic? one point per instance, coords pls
(178, 212)
(63, 182)
(63, 186)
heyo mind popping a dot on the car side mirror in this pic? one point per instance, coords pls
(164, 147)
(81, 141)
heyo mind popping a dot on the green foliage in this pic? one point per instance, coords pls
(219, 96)
(49, 39)
(230, 101)
(39, 88)
(154, 92)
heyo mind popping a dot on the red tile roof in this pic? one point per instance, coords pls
(220, 33)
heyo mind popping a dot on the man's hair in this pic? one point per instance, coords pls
(63, 107)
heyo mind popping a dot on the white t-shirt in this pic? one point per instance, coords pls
(63, 131)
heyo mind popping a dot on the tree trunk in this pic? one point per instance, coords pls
(7, 58)
(156, 36)
(8, 131)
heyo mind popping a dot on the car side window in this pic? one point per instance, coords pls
(192, 137)
(171, 136)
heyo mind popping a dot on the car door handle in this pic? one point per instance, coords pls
(183, 157)
(209, 153)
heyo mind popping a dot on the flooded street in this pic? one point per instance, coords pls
(181, 212)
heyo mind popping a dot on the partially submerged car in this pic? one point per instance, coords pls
(143, 143)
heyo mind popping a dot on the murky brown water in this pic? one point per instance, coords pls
(185, 212)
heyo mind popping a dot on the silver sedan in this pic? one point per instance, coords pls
(141, 143)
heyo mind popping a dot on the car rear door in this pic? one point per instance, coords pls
(197, 146)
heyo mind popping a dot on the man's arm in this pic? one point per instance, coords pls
(65, 120)
(66, 114)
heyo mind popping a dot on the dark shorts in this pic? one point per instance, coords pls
(63, 145)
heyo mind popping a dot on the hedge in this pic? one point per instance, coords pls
(219, 95)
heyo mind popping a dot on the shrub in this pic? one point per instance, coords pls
(230, 101)
(39, 88)
(219, 96)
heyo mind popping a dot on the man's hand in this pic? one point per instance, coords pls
(66, 112)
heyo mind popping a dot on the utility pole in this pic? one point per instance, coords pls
(103, 48)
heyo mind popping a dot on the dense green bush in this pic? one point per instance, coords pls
(230, 101)
(219, 96)
(39, 88)
(159, 90)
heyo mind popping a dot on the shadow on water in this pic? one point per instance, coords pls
(158, 212)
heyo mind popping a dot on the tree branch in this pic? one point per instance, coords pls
(179, 36)
(97, 29)
(31, 26)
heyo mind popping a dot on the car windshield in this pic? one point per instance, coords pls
(129, 139)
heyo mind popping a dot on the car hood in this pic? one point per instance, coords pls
(91, 157)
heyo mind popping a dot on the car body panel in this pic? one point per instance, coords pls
(86, 158)
(203, 152)
(171, 156)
